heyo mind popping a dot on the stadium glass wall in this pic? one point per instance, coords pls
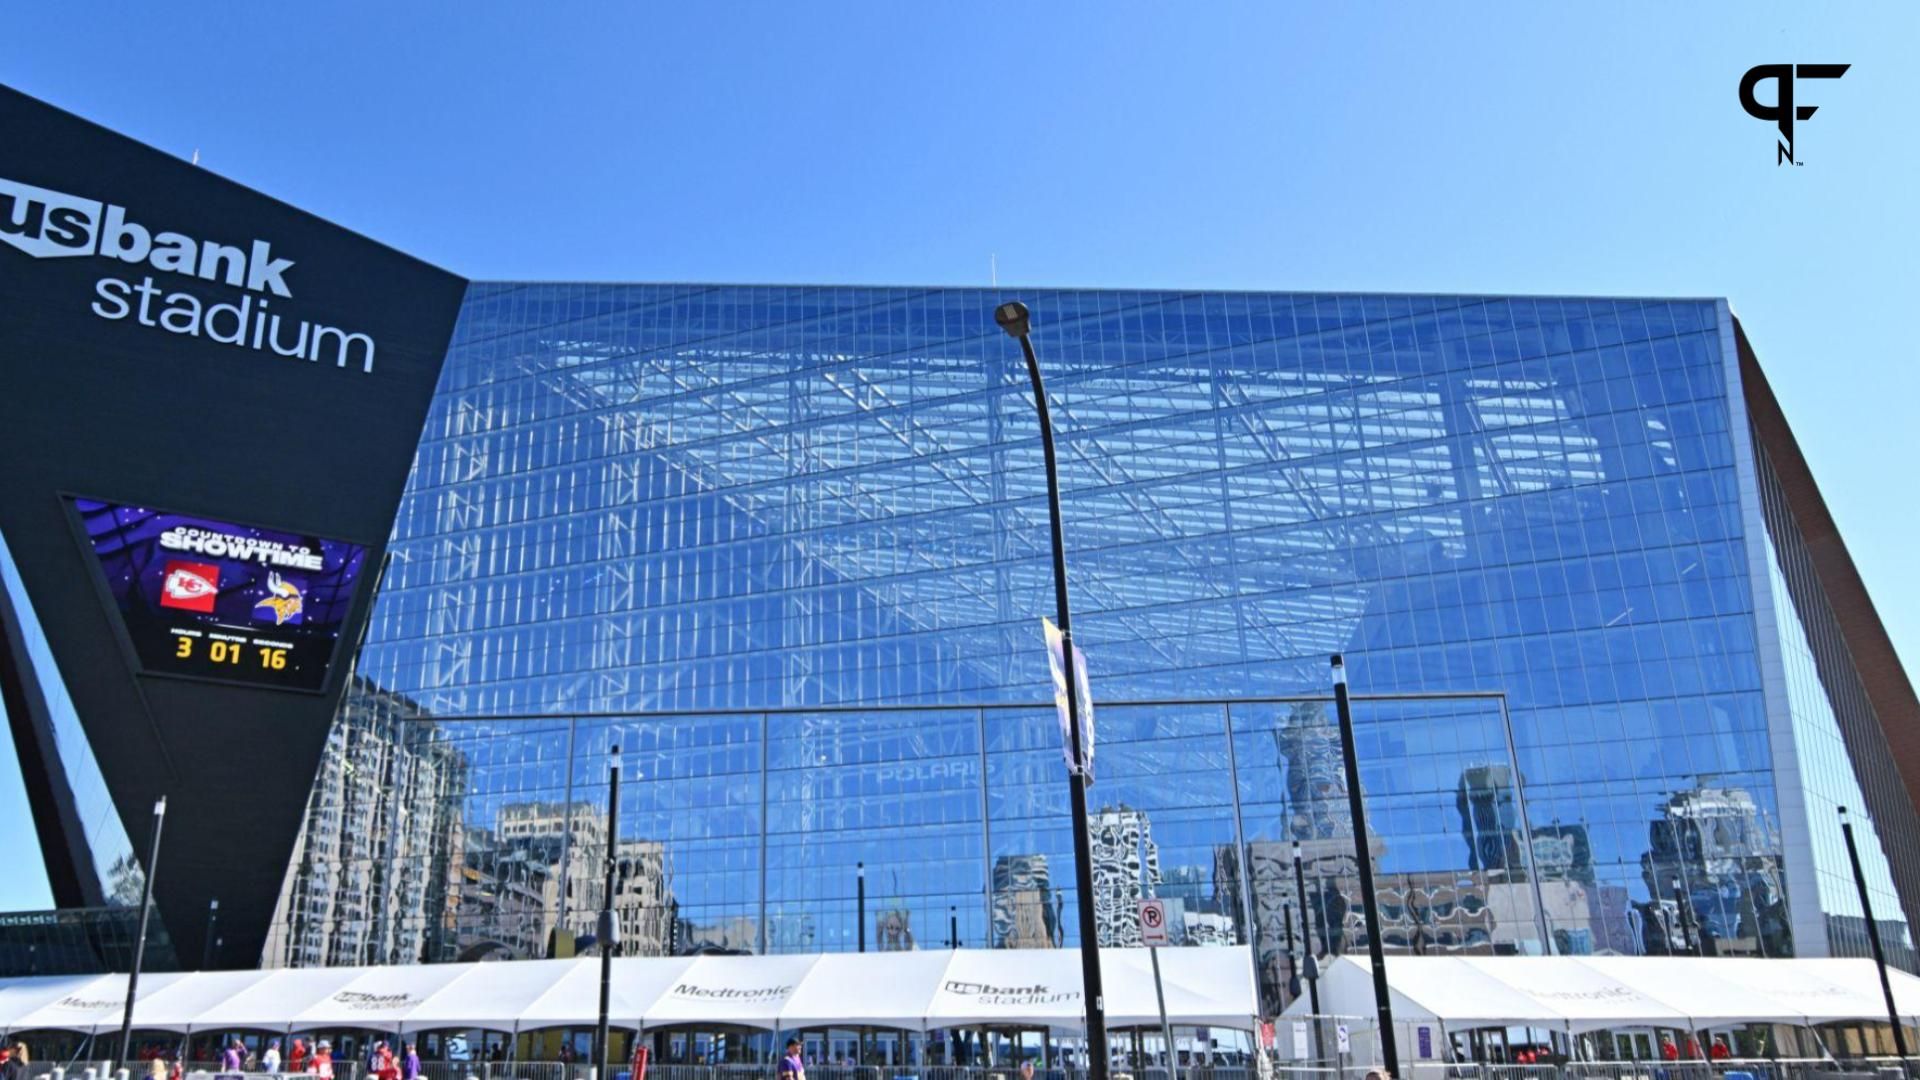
(786, 547)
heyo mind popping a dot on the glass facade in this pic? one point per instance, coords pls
(1826, 769)
(787, 549)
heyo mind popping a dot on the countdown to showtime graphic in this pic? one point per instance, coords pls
(210, 599)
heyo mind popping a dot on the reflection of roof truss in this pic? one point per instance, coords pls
(1226, 493)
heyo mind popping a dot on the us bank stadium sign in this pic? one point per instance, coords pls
(989, 994)
(49, 224)
(357, 1001)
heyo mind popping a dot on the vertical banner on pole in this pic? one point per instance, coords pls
(1300, 1041)
(1057, 666)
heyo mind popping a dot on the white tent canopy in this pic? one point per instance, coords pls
(478, 1000)
(747, 990)
(175, 1006)
(1586, 993)
(1587, 997)
(891, 989)
(380, 998)
(1213, 987)
(636, 985)
(98, 1005)
(271, 1003)
(910, 990)
(1845, 973)
(1716, 991)
(23, 997)
(1444, 989)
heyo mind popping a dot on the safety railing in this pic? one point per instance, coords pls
(206, 1069)
(1272, 1068)
(506, 1070)
(513, 1070)
(66, 1070)
(1887, 1068)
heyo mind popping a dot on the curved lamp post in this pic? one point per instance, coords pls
(1014, 318)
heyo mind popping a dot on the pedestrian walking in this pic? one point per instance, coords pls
(233, 1057)
(410, 1065)
(270, 1059)
(791, 1066)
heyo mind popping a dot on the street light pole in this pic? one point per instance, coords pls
(1015, 320)
(609, 928)
(1369, 903)
(1873, 934)
(140, 939)
(860, 903)
(953, 926)
(1310, 964)
(213, 919)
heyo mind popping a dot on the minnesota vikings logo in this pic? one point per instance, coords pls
(285, 602)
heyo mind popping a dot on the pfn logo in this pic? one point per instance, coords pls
(1782, 111)
(190, 586)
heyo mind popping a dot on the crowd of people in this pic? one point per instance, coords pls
(383, 1062)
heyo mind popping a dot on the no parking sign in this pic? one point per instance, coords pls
(1153, 923)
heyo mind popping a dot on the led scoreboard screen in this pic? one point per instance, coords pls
(210, 599)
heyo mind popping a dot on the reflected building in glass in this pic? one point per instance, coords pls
(787, 548)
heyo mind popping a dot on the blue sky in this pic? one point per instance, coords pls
(1525, 148)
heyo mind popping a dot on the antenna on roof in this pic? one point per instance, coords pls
(196, 155)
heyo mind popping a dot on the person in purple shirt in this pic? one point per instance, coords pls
(410, 1065)
(791, 1067)
(233, 1057)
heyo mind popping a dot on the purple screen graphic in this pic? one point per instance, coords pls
(211, 599)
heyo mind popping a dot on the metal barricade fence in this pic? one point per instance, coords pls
(505, 1070)
(1724, 1069)
(1267, 1065)
(68, 1070)
(206, 1069)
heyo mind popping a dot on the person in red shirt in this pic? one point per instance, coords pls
(1720, 1051)
(1668, 1051)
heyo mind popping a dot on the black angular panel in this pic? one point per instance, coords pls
(170, 339)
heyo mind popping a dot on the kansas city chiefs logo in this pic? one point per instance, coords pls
(190, 586)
